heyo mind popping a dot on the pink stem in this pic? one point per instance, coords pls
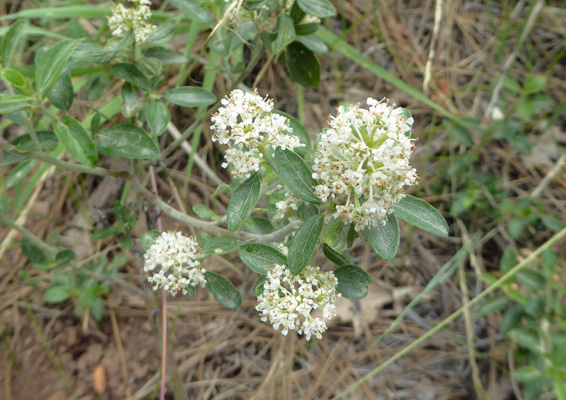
(163, 306)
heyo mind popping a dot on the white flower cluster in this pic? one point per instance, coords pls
(247, 125)
(363, 162)
(287, 300)
(291, 201)
(123, 19)
(173, 260)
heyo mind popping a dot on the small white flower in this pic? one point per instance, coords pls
(172, 260)
(246, 124)
(363, 163)
(288, 300)
(124, 19)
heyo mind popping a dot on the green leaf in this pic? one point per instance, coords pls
(525, 374)
(534, 84)
(32, 252)
(165, 55)
(304, 243)
(384, 240)
(335, 257)
(148, 238)
(285, 33)
(7, 108)
(127, 242)
(220, 245)
(551, 222)
(130, 73)
(511, 318)
(192, 10)
(57, 294)
(548, 263)
(223, 290)
(257, 288)
(304, 67)
(64, 257)
(131, 103)
(164, 32)
(559, 388)
(313, 43)
(76, 140)
(298, 130)
(260, 257)
(104, 233)
(306, 210)
(317, 8)
(203, 211)
(306, 29)
(61, 93)
(259, 225)
(531, 279)
(51, 64)
(90, 51)
(295, 174)
(491, 305)
(243, 201)
(17, 79)
(419, 213)
(335, 233)
(352, 282)
(10, 42)
(18, 174)
(461, 134)
(126, 141)
(190, 96)
(526, 339)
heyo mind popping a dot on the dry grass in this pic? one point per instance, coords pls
(223, 355)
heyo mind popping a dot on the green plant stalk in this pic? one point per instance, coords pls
(37, 155)
(354, 55)
(496, 285)
(191, 39)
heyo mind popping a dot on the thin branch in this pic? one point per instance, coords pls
(211, 227)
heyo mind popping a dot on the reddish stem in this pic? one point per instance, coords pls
(163, 306)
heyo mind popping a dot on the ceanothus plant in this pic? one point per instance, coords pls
(355, 187)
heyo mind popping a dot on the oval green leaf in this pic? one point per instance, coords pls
(352, 282)
(384, 240)
(57, 294)
(305, 243)
(61, 93)
(335, 257)
(126, 141)
(10, 42)
(243, 201)
(419, 213)
(190, 96)
(295, 174)
(304, 67)
(260, 257)
(130, 73)
(285, 33)
(223, 291)
(7, 108)
(220, 245)
(491, 305)
(76, 140)
(51, 64)
(192, 10)
(317, 8)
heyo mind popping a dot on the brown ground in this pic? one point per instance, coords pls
(224, 355)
